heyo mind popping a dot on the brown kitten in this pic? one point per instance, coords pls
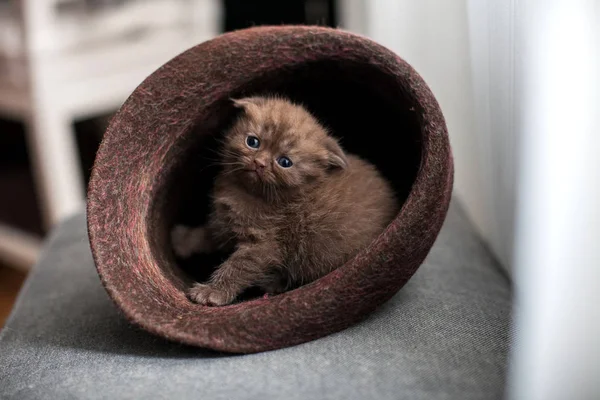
(289, 201)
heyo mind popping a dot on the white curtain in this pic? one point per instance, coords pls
(557, 264)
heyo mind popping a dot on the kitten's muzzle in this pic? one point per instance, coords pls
(259, 167)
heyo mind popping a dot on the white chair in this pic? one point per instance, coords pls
(61, 61)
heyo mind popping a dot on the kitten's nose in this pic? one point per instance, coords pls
(260, 164)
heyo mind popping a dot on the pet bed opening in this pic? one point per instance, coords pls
(359, 103)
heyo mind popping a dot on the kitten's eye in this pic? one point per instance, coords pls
(284, 162)
(253, 142)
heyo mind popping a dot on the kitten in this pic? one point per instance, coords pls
(289, 202)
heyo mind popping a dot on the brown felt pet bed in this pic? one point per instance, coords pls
(153, 170)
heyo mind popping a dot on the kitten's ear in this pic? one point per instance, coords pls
(247, 103)
(240, 103)
(335, 155)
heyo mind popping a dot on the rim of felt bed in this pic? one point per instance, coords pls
(139, 152)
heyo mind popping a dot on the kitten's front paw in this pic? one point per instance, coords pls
(209, 295)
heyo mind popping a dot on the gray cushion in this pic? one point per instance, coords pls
(444, 336)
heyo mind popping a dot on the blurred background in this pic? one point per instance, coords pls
(517, 82)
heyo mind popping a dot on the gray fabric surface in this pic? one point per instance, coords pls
(444, 336)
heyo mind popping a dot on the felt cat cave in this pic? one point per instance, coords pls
(153, 170)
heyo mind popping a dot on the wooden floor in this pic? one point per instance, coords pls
(10, 283)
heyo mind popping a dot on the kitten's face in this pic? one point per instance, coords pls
(278, 144)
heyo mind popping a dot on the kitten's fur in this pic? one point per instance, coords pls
(287, 226)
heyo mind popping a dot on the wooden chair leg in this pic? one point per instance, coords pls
(56, 163)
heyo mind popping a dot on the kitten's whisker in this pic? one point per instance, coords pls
(233, 170)
(228, 153)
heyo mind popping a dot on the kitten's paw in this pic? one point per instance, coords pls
(184, 241)
(209, 295)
